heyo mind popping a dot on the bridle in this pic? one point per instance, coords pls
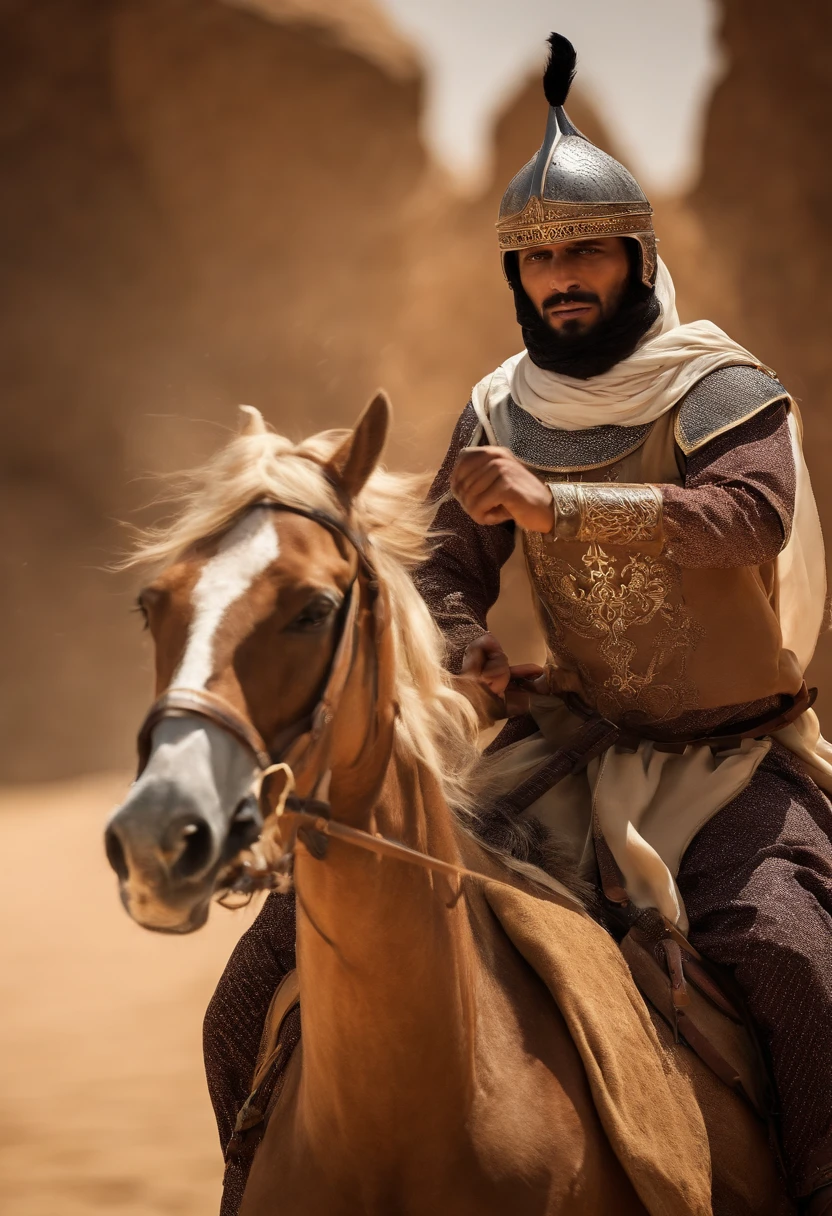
(300, 741)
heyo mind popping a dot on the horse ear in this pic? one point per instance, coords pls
(358, 455)
(251, 422)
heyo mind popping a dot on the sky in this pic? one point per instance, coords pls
(649, 66)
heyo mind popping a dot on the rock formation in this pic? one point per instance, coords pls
(206, 203)
(200, 207)
(754, 244)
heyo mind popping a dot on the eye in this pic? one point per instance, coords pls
(317, 613)
(141, 608)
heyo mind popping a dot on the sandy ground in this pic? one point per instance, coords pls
(103, 1105)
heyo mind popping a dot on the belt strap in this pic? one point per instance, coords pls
(593, 738)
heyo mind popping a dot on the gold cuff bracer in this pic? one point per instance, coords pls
(607, 513)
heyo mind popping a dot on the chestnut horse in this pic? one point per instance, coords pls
(436, 1073)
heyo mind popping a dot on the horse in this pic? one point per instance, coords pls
(440, 1068)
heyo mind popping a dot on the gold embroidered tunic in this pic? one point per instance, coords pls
(640, 635)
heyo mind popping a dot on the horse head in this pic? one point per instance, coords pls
(257, 585)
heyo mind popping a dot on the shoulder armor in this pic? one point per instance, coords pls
(722, 400)
(556, 451)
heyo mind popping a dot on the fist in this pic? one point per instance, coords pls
(492, 486)
(487, 662)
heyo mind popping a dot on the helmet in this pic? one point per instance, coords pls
(570, 189)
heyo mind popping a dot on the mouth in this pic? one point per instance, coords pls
(161, 918)
(571, 312)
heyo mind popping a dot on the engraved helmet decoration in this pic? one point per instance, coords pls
(570, 189)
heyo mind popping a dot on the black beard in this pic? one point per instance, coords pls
(591, 353)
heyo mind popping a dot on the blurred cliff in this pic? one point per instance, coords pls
(207, 203)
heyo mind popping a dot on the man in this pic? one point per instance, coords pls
(654, 474)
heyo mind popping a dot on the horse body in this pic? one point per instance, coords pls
(436, 1072)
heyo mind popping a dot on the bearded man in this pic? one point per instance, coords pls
(653, 472)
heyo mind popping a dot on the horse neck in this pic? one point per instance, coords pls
(385, 959)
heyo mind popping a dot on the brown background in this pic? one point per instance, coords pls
(199, 208)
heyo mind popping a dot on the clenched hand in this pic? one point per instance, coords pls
(492, 486)
(486, 661)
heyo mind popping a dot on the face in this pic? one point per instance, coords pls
(254, 619)
(575, 285)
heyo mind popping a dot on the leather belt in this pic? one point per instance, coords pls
(723, 738)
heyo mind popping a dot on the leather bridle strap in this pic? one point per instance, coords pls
(300, 740)
(198, 702)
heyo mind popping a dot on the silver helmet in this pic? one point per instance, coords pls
(570, 189)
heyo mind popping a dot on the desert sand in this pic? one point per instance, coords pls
(103, 1104)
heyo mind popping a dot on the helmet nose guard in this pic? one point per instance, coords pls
(571, 190)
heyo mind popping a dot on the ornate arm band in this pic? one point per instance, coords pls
(608, 513)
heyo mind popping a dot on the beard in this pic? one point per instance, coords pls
(578, 352)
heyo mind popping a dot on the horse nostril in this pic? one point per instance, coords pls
(244, 829)
(115, 854)
(196, 850)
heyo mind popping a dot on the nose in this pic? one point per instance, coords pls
(160, 834)
(564, 275)
(186, 852)
(564, 281)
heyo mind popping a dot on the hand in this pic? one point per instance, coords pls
(492, 486)
(525, 679)
(486, 661)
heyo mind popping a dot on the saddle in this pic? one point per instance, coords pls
(699, 1003)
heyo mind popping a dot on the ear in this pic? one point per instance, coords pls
(251, 422)
(358, 455)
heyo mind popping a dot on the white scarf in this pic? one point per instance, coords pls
(668, 361)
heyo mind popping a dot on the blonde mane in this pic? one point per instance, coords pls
(436, 723)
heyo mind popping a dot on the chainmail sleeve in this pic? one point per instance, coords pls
(460, 581)
(737, 503)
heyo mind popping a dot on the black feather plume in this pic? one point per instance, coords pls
(560, 70)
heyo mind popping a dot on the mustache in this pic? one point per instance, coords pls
(571, 297)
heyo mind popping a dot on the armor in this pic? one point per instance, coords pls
(570, 189)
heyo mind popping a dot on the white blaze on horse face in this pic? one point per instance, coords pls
(246, 551)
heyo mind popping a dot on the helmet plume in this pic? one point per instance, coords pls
(560, 70)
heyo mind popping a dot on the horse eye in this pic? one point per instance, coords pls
(141, 608)
(314, 615)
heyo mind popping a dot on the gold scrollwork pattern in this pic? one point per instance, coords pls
(543, 221)
(605, 600)
(547, 222)
(608, 514)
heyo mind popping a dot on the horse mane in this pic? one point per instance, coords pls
(436, 723)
